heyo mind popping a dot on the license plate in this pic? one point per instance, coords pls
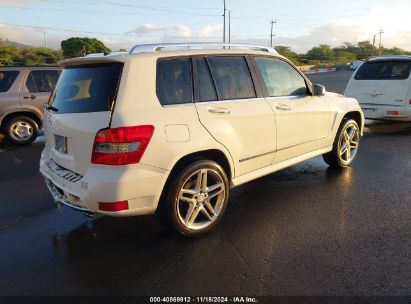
(370, 110)
(60, 143)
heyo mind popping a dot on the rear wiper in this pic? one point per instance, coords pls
(50, 108)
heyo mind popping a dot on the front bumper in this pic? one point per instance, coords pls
(386, 112)
(139, 184)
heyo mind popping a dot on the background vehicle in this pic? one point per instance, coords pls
(171, 128)
(23, 92)
(382, 85)
(356, 64)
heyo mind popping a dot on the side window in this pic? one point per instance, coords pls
(280, 78)
(232, 77)
(42, 81)
(205, 90)
(174, 84)
(7, 79)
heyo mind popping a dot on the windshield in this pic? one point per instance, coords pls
(87, 88)
(384, 70)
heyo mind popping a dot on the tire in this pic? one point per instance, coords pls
(187, 194)
(348, 134)
(21, 130)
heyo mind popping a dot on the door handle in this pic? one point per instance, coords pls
(218, 110)
(283, 107)
(30, 96)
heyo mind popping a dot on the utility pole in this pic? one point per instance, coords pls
(271, 35)
(380, 45)
(373, 45)
(224, 21)
(229, 26)
(45, 41)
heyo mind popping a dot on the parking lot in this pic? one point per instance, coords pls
(307, 230)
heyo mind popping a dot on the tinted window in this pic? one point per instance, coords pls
(205, 90)
(87, 88)
(6, 80)
(383, 70)
(232, 77)
(41, 81)
(280, 78)
(174, 83)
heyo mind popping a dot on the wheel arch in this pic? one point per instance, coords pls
(212, 154)
(356, 116)
(24, 112)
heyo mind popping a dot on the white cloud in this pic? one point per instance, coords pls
(183, 30)
(211, 30)
(147, 28)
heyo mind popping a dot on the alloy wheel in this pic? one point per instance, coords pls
(201, 199)
(348, 143)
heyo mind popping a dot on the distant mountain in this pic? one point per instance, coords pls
(17, 44)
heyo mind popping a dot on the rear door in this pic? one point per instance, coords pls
(381, 82)
(83, 101)
(303, 121)
(230, 109)
(37, 88)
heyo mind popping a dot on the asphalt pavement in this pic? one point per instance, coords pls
(307, 230)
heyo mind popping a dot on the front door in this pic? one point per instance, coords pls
(303, 121)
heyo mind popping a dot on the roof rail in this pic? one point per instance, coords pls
(151, 48)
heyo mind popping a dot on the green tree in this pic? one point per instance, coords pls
(323, 52)
(77, 46)
(288, 53)
(364, 49)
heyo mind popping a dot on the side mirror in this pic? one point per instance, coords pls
(318, 90)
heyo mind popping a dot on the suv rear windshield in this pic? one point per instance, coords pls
(87, 88)
(384, 70)
(6, 80)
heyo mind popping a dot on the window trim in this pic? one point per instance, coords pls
(308, 83)
(14, 81)
(192, 80)
(195, 60)
(29, 74)
(249, 70)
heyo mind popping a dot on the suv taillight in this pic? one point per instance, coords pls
(121, 146)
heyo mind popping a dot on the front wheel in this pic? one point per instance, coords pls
(197, 198)
(345, 145)
(21, 130)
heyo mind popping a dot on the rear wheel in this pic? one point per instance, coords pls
(345, 145)
(21, 130)
(196, 198)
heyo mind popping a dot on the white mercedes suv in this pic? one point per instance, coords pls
(170, 129)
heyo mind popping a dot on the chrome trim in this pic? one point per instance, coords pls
(59, 198)
(302, 143)
(152, 48)
(256, 156)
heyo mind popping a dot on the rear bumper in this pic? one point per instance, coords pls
(386, 112)
(139, 184)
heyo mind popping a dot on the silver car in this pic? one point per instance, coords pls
(23, 91)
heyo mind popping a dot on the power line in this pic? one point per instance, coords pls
(164, 12)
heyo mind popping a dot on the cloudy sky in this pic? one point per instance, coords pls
(300, 24)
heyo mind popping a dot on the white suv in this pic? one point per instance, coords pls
(170, 129)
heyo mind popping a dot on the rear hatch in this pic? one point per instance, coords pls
(381, 82)
(80, 106)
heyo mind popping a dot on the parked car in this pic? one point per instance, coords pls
(23, 92)
(382, 86)
(170, 129)
(356, 64)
